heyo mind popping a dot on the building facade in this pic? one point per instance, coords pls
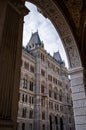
(45, 101)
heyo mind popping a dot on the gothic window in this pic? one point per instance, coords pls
(43, 73)
(26, 65)
(30, 126)
(60, 95)
(25, 98)
(25, 83)
(30, 99)
(24, 112)
(43, 127)
(22, 97)
(31, 86)
(31, 114)
(51, 105)
(43, 115)
(56, 122)
(59, 83)
(42, 102)
(61, 108)
(50, 93)
(61, 124)
(42, 88)
(42, 57)
(23, 126)
(50, 78)
(55, 95)
(32, 69)
(69, 119)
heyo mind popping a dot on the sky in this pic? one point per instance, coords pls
(34, 22)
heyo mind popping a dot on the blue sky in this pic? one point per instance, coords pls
(36, 21)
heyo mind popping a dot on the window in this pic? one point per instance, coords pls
(50, 78)
(61, 108)
(70, 120)
(42, 89)
(42, 72)
(60, 95)
(30, 126)
(25, 83)
(31, 114)
(59, 83)
(24, 112)
(42, 57)
(32, 69)
(43, 127)
(31, 86)
(26, 65)
(26, 98)
(30, 99)
(43, 115)
(51, 105)
(50, 93)
(23, 126)
(22, 97)
(55, 95)
(54, 80)
(56, 107)
(42, 102)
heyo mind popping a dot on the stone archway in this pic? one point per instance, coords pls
(11, 22)
(55, 14)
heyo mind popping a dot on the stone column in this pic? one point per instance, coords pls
(11, 27)
(79, 98)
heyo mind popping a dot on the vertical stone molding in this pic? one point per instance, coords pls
(10, 62)
(79, 97)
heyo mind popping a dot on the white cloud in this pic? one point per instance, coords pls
(36, 21)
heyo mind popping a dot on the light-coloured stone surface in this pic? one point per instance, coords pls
(79, 98)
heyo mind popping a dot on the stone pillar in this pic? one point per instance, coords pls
(11, 27)
(79, 98)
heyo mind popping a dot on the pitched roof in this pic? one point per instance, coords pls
(35, 39)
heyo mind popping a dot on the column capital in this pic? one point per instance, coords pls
(73, 71)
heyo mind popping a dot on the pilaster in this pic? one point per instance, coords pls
(79, 97)
(11, 22)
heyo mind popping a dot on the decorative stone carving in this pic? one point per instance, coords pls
(73, 56)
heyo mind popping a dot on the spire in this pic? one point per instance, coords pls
(34, 41)
(57, 57)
